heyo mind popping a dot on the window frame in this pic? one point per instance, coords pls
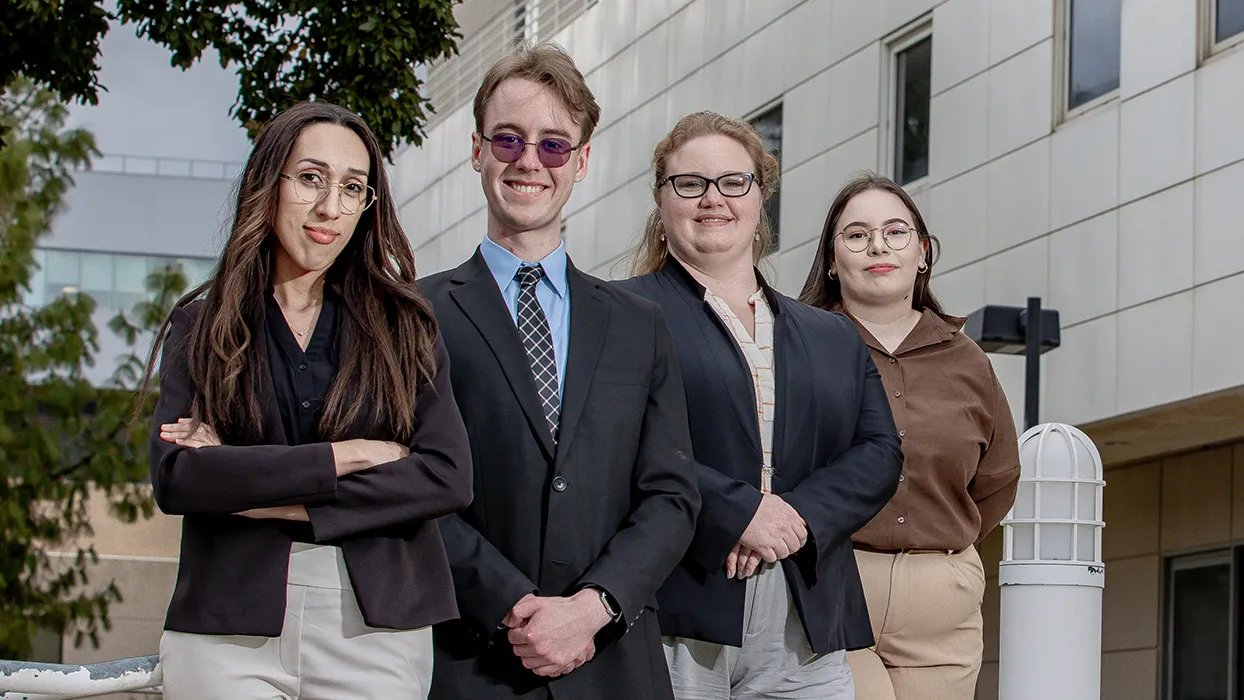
(894, 44)
(1207, 26)
(778, 103)
(1197, 560)
(1063, 112)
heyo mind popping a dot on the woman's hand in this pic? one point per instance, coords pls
(742, 562)
(296, 512)
(179, 434)
(356, 455)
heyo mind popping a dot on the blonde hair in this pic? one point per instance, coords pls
(548, 64)
(649, 256)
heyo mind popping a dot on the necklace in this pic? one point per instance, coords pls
(301, 333)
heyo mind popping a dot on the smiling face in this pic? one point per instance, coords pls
(527, 195)
(877, 275)
(710, 230)
(313, 234)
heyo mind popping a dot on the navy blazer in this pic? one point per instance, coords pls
(231, 577)
(836, 456)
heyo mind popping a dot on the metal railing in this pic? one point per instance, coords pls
(452, 82)
(194, 168)
(24, 680)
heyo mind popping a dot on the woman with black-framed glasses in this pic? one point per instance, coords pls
(793, 439)
(307, 431)
(918, 560)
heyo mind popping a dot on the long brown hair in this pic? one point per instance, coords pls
(391, 328)
(649, 256)
(825, 293)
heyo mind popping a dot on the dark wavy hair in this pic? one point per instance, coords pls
(391, 328)
(825, 293)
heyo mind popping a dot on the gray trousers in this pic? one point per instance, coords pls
(325, 651)
(775, 662)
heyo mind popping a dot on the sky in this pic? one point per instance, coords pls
(153, 109)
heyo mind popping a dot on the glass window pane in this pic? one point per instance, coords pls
(197, 270)
(37, 294)
(1093, 44)
(1229, 19)
(62, 267)
(1200, 632)
(97, 278)
(911, 118)
(769, 126)
(131, 273)
(61, 274)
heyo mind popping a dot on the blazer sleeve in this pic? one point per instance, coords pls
(434, 480)
(224, 478)
(486, 583)
(997, 475)
(727, 507)
(652, 539)
(840, 497)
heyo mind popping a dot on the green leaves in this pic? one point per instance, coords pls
(61, 438)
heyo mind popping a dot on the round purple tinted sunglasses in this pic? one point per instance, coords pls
(553, 152)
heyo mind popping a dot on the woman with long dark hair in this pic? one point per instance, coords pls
(306, 430)
(922, 575)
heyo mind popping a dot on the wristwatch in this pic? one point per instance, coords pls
(607, 601)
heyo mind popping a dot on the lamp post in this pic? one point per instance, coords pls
(1051, 574)
(1016, 330)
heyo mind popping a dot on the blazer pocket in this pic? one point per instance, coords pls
(621, 376)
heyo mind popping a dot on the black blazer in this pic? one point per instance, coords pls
(232, 575)
(835, 454)
(612, 505)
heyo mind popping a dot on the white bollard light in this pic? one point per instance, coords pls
(1051, 574)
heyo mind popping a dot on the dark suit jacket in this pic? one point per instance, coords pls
(613, 504)
(835, 454)
(232, 575)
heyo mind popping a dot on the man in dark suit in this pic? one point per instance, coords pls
(585, 490)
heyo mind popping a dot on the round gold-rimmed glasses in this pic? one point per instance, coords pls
(311, 187)
(897, 236)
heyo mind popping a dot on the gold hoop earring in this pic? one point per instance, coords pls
(924, 267)
(832, 276)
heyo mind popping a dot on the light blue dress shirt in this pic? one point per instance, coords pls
(553, 293)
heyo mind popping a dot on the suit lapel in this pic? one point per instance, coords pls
(589, 319)
(793, 397)
(475, 292)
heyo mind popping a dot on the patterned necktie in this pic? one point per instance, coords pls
(533, 328)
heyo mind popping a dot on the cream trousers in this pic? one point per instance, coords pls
(325, 651)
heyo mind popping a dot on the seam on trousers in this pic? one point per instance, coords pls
(889, 603)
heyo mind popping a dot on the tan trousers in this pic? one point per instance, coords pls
(325, 651)
(925, 609)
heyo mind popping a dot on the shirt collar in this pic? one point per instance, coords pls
(931, 329)
(504, 265)
(674, 269)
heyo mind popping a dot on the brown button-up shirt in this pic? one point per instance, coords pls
(961, 457)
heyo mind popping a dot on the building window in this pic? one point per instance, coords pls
(116, 281)
(1223, 24)
(1202, 627)
(1090, 53)
(911, 71)
(769, 124)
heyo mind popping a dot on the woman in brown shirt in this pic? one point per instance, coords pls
(922, 575)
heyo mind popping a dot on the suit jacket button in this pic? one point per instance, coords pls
(559, 484)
